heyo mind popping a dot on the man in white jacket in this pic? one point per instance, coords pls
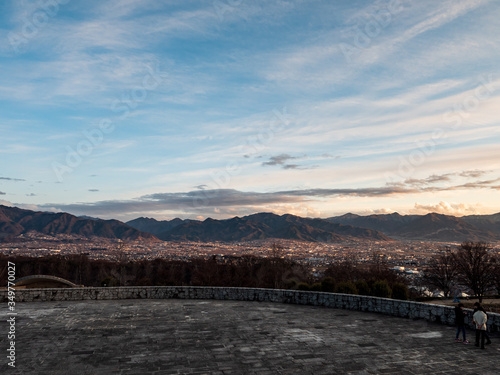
(479, 319)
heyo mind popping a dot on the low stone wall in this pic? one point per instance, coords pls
(404, 309)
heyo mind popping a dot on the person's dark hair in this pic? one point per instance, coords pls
(460, 305)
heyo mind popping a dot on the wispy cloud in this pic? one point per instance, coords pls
(279, 159)
(447, 177)
(429, 180)
(473, 174)
(11, 179)
(489, 184)
(442, 14)
(282, 161)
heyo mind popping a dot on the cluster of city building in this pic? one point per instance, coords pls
(403, 256)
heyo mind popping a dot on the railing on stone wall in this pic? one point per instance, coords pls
(399, 308)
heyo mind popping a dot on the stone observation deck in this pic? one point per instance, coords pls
(174, 330)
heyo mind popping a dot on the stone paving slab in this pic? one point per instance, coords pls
(230, 337)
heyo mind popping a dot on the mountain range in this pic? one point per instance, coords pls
(15, 221)
(430, 227)
(254, 227)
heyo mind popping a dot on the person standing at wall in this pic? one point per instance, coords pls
(480, 307)
(479, 319)
(460, 315)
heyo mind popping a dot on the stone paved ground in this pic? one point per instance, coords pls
(230, 337)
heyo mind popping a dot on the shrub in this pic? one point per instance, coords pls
(363, 288)
(400, 291)
(303, 286)
(109, 281)
(316, 287)
(328, 285)
(381, 288)
(290, 284)
(346, 287)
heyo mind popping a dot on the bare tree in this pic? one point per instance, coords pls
(497, 274)
(476, 267)
(122, 259)
(277, 251)
(346, 270)
(279, 265)
(441, 272)
(378, 265)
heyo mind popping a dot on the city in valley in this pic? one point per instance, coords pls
(410, 256)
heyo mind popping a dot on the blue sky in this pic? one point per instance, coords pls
(195, 109)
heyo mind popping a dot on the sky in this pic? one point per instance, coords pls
(195, 109)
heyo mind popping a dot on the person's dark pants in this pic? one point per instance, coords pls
(460, 328)
(480, 334)
(488, 340)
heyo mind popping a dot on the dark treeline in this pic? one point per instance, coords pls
(245, 271)
(274, 271)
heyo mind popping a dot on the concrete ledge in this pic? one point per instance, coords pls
(398, 308)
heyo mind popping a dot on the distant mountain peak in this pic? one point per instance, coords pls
(349, 215)
(15, 221)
